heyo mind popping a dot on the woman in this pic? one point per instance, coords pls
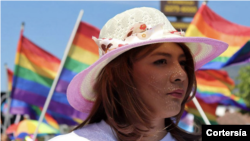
(138, 88)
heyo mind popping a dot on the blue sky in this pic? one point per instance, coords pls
(49, 24)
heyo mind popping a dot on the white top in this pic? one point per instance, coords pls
(95, 132)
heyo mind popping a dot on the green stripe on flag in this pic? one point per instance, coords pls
(32, 76)
(220, 59)
(74, 65)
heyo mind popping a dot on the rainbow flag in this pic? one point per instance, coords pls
(83, 53)
(214, 86)
(209, 110)
(207, 23)
(10, 77)
(35, 70)
(20, 107)
(17, 107)
(241, 56)
(34, 112)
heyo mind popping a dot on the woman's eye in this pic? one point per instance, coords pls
(159, 62)
(183, 63)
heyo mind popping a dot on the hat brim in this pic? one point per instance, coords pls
(80, 93)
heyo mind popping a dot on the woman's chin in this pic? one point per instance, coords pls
(172, 111)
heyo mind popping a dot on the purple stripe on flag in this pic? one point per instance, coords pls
(219, 98)
(38, 100)
(62, 119)
(234, 103)
(19, 110)
(62, 86)
(39, 89)
(212, 98)
(67, 75)
(241, 56)
(22, 111)
(184, 114)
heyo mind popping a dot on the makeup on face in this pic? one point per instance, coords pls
(161, 79)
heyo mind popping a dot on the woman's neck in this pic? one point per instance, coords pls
(157, 132)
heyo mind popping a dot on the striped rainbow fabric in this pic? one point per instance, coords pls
(10, 77)
(214, 86)
(209, 110)
(34, 112)
(241, 56)
(35, 70)
(20, 107)
(207, 23)
(17, 106)
(83, 53)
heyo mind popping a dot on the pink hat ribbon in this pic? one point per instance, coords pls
(138, 33)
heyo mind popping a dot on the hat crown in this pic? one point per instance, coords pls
(118, 26)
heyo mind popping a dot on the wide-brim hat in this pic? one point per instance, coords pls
(130, 29)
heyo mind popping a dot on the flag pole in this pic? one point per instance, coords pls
(18, 118)
(6, 119)
(59, 72)
(205, 2)
(8, 98)
(203, 115)
(196, 103)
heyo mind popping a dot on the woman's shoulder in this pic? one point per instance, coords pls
(92, 132)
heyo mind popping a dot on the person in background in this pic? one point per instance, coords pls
(4, 137)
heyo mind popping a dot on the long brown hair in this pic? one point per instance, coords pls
(118, 104)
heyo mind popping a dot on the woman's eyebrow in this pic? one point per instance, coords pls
(182, 56)
(161, 54)
(167, 54)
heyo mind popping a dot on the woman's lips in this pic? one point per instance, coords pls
(176, 93)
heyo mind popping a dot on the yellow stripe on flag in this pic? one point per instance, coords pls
(23, 61)
(205, 88)
(194, 32)
(82, 55)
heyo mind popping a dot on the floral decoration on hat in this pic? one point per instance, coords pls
(137, 33)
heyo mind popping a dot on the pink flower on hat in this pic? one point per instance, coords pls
(143, 27)
(120, 45)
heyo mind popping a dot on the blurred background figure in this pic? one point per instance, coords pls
(4, 137)
(187, 123)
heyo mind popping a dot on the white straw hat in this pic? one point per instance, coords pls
(130, 29)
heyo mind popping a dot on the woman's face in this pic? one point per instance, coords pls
(161, 79)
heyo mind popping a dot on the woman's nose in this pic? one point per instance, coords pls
(178, 74)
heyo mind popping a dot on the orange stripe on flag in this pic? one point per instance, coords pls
(207, 108)
(35, 50)
(205, 29)
(40, 60)
(211, 83)
(220, 24)
(86, 43)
